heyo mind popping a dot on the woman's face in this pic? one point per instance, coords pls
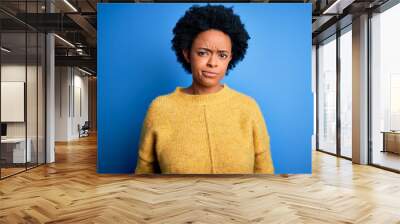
(209, 57)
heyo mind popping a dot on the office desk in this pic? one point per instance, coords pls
(391, 141)
(13, 150)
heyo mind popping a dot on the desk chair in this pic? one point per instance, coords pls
(84, 130)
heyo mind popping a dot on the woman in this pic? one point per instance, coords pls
(206, 127)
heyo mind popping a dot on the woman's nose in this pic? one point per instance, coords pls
(212, 61)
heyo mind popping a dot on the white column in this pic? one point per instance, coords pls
(360, 90)
(50, 93)
(50, 100)
(314, 92)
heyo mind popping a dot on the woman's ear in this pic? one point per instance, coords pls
(186, 55)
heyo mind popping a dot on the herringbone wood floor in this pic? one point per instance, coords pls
(70, 191)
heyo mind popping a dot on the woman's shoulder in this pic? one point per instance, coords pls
(162, 102)
(158, 108)
(248, 105)
(243, 99)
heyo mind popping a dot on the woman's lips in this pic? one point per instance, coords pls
(209, 74)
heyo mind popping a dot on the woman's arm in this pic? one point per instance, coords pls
(147, 159)
(263, 160)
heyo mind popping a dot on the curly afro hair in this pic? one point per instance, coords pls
(198, 19)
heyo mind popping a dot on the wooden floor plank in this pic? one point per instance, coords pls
(70, 191)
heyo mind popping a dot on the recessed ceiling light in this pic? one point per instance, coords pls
(70, 5)
(64, 40)
(84, 71)
(5, 50)
(337, 7)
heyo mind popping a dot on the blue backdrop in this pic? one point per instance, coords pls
(136, 64)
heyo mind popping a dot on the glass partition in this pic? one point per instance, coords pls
(22, 88)
(31, 100)
(13, 108)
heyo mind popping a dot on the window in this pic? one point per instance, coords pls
(385, 88)
(346, 92)
(327, 95)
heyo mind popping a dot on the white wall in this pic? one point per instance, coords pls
(70, 84)
(12, 73)
(79, 110)
(62, 81)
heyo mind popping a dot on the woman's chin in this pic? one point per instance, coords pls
(209, 83)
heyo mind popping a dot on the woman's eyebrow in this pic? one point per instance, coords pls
(206, 49)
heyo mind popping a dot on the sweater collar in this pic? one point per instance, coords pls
(211, 98)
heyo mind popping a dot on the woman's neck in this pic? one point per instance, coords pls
(196, 89)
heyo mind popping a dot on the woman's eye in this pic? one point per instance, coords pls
(202, 53)
(223, 56)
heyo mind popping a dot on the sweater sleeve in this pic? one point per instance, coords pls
(147, 159)
(263, 160)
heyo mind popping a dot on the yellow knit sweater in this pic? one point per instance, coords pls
(218, 133)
